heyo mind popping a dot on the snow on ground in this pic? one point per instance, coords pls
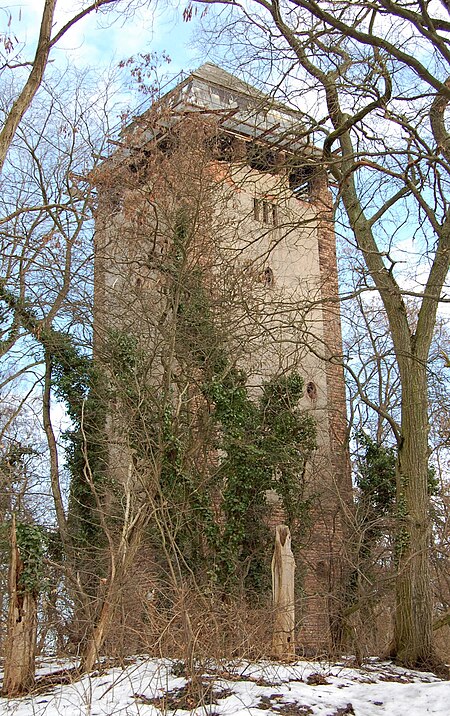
(151, 687)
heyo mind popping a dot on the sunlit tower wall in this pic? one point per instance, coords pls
(276, 215)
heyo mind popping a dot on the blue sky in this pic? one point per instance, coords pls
(101, 40)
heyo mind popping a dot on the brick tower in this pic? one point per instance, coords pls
(266, 233)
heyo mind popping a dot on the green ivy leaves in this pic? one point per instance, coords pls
(31, 541)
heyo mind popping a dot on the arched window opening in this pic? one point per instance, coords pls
(167, 144)
(223, 147)
(261, 158)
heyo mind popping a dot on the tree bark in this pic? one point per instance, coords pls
(22, 628)
(413, 634)
(283, 569)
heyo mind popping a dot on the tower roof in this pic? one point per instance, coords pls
(239, 108)
(214, 75)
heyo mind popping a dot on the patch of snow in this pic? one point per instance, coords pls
(234, 689)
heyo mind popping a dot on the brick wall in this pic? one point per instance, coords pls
(325, 564)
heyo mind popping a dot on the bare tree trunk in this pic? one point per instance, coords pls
(33, 82)
(283, 569)
(121, 560)
(22, 628)
(53, 450)
(99, 631)
(413, 618)
(413, 637)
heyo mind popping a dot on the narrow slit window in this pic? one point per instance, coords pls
(274, 214)
(256, 209)
(265, 211)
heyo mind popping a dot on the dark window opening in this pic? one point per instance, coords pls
(261, 158)
(268, 277)
(139, 166)
(222, 147)
(256, 209)
(167, 144)
(140, 161)
(115, 202)
(300, 180)
(311, 391)
(274, 214)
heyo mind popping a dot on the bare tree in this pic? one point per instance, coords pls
(380, 121)
(46, 285)
(47, 40)
(183, 309)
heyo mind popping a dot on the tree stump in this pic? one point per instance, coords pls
(283, 570)
(20, 649)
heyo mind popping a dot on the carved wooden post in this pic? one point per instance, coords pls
(22, 625)
(283, 569)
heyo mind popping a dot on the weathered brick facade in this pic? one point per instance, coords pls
(275, 210)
